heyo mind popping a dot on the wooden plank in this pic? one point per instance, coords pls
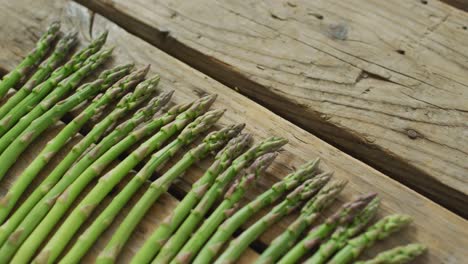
(384, 80)
(444, 232)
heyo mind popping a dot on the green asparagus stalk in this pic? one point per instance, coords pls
(211, 143)
(79, 60)
(59, 54)
(65, 200)
(225, 231)
(52, 250)
(196, 216)
(151, 247)
(342, 233)
(16, 190)
(344, 216)
(379, 231)
(397, 255)
(99, 225)
(32, 59)
(40, 124)
(232, 197)
(42, 199)
(309, 213)
(63, 88)
(292, 201)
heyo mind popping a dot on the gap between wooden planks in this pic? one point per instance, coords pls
(444, 232)
(383, 80)
(461, 4)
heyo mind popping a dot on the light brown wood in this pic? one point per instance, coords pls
(444, 232)
(384, 80)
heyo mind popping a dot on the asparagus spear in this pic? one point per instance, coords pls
(225, 231)
(116, 91)
(63, 88)
(379, 231)
(224, 158)
(70, 194)
(106, 183)
(32, 59)
(343, 216)
(59, 54)
(40, 201)
(397, 255)
(232, 197)
(342, 233)
(79, 60)
(31, 132)
(309, 213)
(196, 215)
(86, 240)
(292, 201)
(211, 143)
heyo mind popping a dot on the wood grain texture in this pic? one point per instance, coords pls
(444, 232)
(386, 81)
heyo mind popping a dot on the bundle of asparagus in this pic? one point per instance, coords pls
(225, 231)
(53, 90)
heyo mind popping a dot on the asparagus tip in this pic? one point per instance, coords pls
(262, 162)
(54, 26)
(165, 97)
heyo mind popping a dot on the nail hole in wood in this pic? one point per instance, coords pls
(318, 16)
(400, 51)
(464, 27)
(424, 2)
(413, 134)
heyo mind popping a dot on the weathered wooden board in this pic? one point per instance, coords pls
(386, 81)
(444, 232)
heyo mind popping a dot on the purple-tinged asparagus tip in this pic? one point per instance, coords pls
(236, 145)
(165, 97)
(262, 163)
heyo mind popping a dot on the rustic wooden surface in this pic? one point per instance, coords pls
(384, 80)
(444, 232)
